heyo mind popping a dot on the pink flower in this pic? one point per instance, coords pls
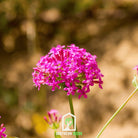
(2, 133)
(2, 130)
(71, 68)
(53, 118)
(136, 67)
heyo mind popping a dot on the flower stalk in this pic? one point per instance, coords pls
(118, 110)
(72, 110)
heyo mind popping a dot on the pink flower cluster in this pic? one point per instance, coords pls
(53, 118)
(2, 130)
(71, 68)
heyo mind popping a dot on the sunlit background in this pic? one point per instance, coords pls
(30, 28)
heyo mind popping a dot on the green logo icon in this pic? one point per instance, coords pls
(67, 122)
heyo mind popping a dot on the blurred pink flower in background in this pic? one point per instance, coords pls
(53, 118)
(2, 130)
(136, 67)
(72, 69)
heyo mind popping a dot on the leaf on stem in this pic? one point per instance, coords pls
(134, 81)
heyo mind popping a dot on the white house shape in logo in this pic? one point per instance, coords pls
(67, 122)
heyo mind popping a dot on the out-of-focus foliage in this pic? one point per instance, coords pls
(36, 22)
(11, 137)
(40, 125)
(29, 28)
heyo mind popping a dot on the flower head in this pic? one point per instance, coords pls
(2, 130)
(136, 67)
(71, 68)
(53, 118)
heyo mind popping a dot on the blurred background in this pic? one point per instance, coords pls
(30, 28)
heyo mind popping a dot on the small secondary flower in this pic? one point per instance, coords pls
(71, 68)
(53, 119)
(2, 130)
(136, 67)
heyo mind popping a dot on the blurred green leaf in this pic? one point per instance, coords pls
(11, 137)
(57, 136)
(10, 97)
(134, 81)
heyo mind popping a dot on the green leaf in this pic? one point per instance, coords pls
(134, 81)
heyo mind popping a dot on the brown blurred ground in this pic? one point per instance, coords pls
(107, 29)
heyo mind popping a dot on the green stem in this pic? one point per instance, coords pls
(118, 110)
(71, 105)
(72, 111)
(55, 134)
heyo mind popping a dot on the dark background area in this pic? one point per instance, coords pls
(30, 28)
